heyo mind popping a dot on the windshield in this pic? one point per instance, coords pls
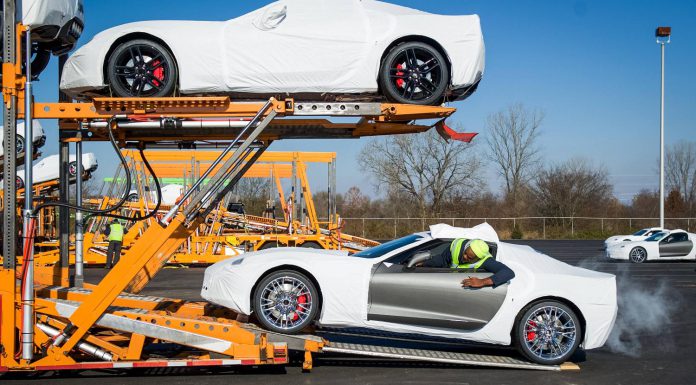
(641, 232)
(656, 236)
(384, 248)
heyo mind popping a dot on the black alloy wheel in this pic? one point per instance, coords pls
(142, 68)
(414, 73)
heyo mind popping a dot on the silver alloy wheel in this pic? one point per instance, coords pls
(638, 255)
(286, 302)
(549, 333)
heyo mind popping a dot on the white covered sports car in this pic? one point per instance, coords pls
(38, 137)
(333, 50)
(547, 311)
(665, 245)
(48, 168)
(639, 235)
(56, 25)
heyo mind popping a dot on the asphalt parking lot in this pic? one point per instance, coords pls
(652, 343)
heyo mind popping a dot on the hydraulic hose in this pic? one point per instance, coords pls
(107, 211)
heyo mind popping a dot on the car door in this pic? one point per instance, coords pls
(296, 46)
(430, 296)
(675, 245)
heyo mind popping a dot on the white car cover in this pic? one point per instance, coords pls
(37, 133)
(229, 283)
(289, 46)
(39, 13)
(48, 168)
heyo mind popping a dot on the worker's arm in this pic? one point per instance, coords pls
(501, 274)
(107, 230)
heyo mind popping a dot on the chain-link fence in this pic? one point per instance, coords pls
(522, 228)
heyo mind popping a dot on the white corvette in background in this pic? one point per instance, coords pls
(48, 169)
(639, 235)
(666, 245)
(547, 311)
(38, 137)
(339, 49)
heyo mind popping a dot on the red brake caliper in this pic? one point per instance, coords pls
(158, 73)
(400, 82)
(531, 335)
(300, 301)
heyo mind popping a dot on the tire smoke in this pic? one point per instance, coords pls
(646, 308)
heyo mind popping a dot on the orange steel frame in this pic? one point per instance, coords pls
(147, 256)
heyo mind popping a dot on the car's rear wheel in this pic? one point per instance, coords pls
(21, 144)
(638, 255)
(286, 301)
(19, 182)
(414, 73)
(142, 68)
(548, 332)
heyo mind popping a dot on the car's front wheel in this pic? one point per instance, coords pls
(414, 73)
(638, 255)
(141, 68)
(548, 332)
(286, 301)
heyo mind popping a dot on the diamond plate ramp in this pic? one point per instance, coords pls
(436, 356)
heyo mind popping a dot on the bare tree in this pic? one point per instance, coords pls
(680, 171)
(572, 188)
(424, 166)
(512, 135)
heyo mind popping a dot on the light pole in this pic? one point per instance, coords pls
(663, 35)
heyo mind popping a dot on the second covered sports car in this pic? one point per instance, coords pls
(639, 235)
(546, 311)
(332, 50)
(665, 245)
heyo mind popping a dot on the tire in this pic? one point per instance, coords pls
(21, 144)
(142, 68)
(133, 198)
(638, 255)
(424, 81)
(268, 245)
(72, 168)
(537, 333)
(19, 183)
(292, 302)
(311, 245)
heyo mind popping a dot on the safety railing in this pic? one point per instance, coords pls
(517, 227)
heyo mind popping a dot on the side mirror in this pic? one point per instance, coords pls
(418, 258)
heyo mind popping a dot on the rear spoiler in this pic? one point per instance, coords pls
(447, 133)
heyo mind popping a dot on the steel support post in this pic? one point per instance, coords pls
(8, 284)
(63, 191)
(9, 246)
(28, 293)
(79, 236)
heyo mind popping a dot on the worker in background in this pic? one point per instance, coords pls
(473, 254)
(115, 232)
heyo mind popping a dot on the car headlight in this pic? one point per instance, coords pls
(237, 261)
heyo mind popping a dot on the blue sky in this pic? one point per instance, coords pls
(592, 66)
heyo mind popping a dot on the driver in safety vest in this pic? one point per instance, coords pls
(473, 254)
(114, 232)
